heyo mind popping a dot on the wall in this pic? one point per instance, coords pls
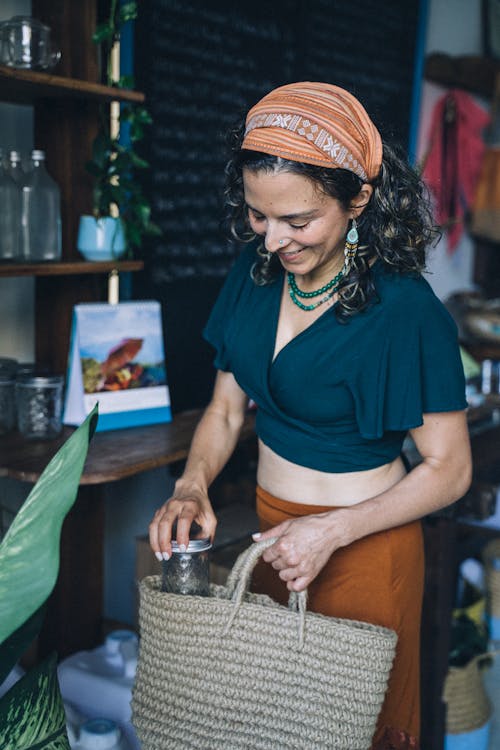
(449, 273)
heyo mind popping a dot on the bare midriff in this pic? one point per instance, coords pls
(299, 484)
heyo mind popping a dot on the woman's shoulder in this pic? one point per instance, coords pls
(405, 286)
(407, 296)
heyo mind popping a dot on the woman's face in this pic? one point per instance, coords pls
(312, 226)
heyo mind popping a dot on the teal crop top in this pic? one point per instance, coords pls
(340, 396)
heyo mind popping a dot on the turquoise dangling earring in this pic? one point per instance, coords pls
(352, 234)
(351, 245)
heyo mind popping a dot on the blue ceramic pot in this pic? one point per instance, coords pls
(101, 239)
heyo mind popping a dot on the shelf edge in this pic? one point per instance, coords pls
(70, 268)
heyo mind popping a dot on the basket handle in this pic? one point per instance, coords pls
(239, 579)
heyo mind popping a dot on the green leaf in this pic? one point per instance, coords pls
(154, 230)
(142, 115)
(103, 32)
(29, 552)
(127, 12)
(133, 234)
(32, 712)
(126, 82)
(138, 161)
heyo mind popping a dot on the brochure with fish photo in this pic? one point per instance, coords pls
(117, 359)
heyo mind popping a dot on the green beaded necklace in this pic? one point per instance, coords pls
(295, 292)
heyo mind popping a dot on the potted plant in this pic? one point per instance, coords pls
(31, 707)
(121, 214)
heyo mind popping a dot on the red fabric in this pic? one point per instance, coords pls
(394, 739)
(454, 157)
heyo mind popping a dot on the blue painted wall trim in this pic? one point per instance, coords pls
(420, 48)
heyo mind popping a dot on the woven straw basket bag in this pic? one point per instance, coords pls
(491, 553)
(467, 704)
(237, 671)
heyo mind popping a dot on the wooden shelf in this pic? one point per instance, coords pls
(112, 455)
(26, 86)
(68, 268)
(470, 72)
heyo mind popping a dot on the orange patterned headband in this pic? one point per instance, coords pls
(315, 123)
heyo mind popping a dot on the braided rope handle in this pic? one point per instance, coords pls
(239, 579)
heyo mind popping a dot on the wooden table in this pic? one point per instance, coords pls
(74, 616)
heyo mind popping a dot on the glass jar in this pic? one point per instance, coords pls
(7, 404)
(39, 406)
(188, 572)
(8, 367)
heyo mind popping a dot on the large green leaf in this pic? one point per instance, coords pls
(29, 552)
(32, 712)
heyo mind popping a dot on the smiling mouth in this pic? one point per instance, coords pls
(290, 255)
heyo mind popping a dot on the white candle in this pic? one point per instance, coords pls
(113, 287)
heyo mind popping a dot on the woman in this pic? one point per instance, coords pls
(343, 346)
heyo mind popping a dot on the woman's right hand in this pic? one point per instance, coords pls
(213, 443)
(185, 506)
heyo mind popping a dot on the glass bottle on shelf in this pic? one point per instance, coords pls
(15, 167)
(10, 215)
(40, 213)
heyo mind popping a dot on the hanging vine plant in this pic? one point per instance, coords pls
(115, 161)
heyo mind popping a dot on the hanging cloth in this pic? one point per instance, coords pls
(486, 212)
(454, 157)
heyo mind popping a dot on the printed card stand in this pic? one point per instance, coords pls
(117, 359)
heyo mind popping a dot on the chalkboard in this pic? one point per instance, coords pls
(202, 64)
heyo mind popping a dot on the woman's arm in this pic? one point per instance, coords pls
(213, 443)
(444, 475)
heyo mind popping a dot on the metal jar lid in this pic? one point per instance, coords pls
(40, 381)
(195, 545)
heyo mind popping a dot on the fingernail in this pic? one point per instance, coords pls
(166, 556)
(256, 536)
(159, 556)
(182, 547)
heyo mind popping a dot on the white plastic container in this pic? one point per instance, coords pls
(100, 734)
(98, 683)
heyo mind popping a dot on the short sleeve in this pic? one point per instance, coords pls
(215, 331)
(415, 368)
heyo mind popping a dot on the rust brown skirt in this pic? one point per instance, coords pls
(378, 579)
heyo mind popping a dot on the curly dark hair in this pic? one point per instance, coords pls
(396, 226)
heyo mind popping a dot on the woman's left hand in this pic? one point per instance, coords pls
(303, 547)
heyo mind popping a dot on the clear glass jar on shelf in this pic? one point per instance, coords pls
(7, 404)
(40, 213)
(39, 406)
